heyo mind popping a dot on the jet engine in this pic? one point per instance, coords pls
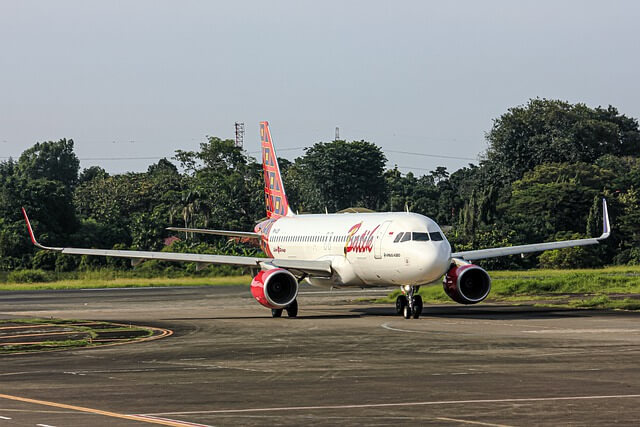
(276, 288)
(467, 284)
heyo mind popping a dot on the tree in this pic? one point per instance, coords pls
(342, 174)
(555, 197)
(545, 131)
(54, 161)
(42, 181)
(93, 172)
(222, 189)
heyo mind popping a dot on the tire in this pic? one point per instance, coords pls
(407, 312)
(292, 309)
(401, 301)
(417, 306)
(276, 312)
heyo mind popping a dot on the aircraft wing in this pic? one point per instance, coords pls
(241, 234)
(311, 267)
(537, 247)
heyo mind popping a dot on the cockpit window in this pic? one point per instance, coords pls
(436, 236)
(406, 237)
(420, 237)
(398, 237)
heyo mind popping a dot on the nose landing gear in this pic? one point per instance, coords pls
(409, 303)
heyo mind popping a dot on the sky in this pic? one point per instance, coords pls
(139, 79)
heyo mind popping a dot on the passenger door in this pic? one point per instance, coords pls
(380, 236)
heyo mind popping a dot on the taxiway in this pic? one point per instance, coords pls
(341, 362)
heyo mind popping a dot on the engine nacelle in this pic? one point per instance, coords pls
(467, 284)
(276, 288)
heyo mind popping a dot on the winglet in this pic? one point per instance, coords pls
(606, 227)
(33, 237)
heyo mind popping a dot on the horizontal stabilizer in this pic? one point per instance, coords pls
(241, 234)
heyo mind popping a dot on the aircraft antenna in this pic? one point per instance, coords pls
(239, 134)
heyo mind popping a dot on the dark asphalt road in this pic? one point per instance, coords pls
(342, 362)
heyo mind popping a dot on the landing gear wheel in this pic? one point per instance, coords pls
(401, 302)
(417, 306)
(292, 309)
(407, 311)
(276, 312)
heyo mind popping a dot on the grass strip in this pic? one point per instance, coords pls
(95, 332)
(611, 288)
(127, 283)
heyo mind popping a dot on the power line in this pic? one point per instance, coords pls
(279, 150)
(107, 158)
(429, 155)
(411, 167)
(440, 156)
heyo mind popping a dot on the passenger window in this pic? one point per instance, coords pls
(406, 237)
(436, 236)
(420, 237)
(398, 237)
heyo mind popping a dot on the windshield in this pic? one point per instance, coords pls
(436, 236)
(420, 237)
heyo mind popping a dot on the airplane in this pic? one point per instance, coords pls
(343, 250)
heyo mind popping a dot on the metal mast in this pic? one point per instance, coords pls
(239, 134)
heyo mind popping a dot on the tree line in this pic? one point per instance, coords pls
(547, 165)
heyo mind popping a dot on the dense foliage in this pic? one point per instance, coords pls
(546, 168)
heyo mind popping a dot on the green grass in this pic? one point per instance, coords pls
(44, 346)
(94, 331)
(612, 280)
(575, 288)
(126, 282)
(609, 287)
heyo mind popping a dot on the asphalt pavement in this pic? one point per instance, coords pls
(341, 362)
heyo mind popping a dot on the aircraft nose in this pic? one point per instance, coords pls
(443, 256)
(436, 260)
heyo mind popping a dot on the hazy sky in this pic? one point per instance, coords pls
(143, 78)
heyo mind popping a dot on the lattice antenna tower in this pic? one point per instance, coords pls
(239, 134)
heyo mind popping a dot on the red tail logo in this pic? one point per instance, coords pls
(275, 198)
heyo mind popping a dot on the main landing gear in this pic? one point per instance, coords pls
(292, 310)
(409, 303)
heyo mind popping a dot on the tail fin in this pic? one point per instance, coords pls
(276, 199)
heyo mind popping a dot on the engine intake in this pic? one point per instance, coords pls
(467, 284)
(276, 288)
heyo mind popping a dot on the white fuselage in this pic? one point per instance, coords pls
(364, 248)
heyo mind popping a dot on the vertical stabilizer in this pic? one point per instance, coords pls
(275, 198)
